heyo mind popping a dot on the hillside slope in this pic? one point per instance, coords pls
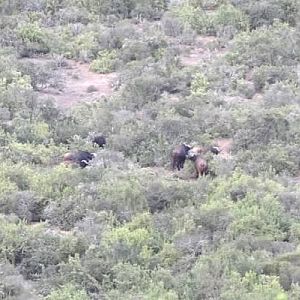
(149, 76)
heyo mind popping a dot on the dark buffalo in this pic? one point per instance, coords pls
(179, 155)
(215, 150)
(79, 157)
(99, 140)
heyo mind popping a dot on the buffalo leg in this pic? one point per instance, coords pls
(174, 164)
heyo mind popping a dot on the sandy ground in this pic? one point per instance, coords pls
(226, 146)
(79, 84)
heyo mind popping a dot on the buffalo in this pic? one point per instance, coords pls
(179, 155)
(99, 140)
(201, 165)
(215, 150)
(79, 157)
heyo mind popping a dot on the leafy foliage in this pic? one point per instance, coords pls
(202, 72)
(104, 62)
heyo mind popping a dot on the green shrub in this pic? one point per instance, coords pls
(42, 76)
(253, 285)
(11, 239)
(229, 16)
(274, 158)
(254, 206)
(126, 8)
(260, 218)
(267, 126)
(26, 206)
(129, 278)
(64, 213)
(149, 9)
(35, 154)
(282, 94)
(194, 17)
(70, 272)
(12, 284)
(72, 14)
(55, 183)
(113, 38)
(122, 194)
(142, 90)
(268, 75)
(134, 242)
(171, 25)
(224, 16)
(33, 249)
(31, 32)
(33, 39)
(6, 185)
(199, 85)
(134, 50)
(267, 11)
(275, 46)
(246, 88)
(158, 291)
(84, 46)
(205, 279)
(104, 63)
(68, 292)
(14, 79)
(215, 122)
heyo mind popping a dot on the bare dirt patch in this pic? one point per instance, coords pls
(226, 146)
(79, 84)
(82, 85)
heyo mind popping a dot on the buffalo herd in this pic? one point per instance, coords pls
(179, 155)
(195, 154)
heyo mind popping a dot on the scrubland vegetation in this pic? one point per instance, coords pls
(127, 227)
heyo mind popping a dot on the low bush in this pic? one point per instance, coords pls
(68, 292)
(33, 39)
(267, 11)
(266, 46)
(282, 94)
(229, 16)
(172, 26)
(43, 76)
(268, 75)
(13, 284)
(245, 88)
(105, 62)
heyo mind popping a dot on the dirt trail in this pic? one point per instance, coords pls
(79, 84)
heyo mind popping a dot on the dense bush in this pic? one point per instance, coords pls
(224, 16)
(126, 9)
(68, 292)
(275, 46)
(267, 75)
(267, 11)
(127, 226)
